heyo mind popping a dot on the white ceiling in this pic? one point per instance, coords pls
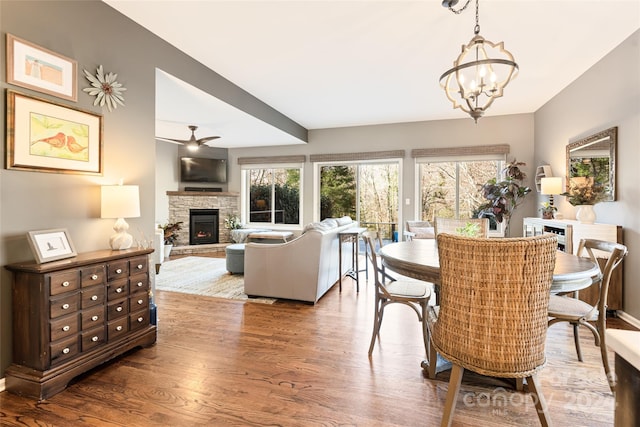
(327, 64)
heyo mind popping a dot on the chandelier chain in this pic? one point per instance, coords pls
(459, 11)
(476, 29)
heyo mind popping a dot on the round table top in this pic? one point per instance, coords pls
(418, 259)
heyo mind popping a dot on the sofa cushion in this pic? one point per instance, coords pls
(316, 226)
(330, 223)
(344, 220)
(423, 232)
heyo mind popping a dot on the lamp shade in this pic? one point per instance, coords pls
(551, 185)
(120, 201)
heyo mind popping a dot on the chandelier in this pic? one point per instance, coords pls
(480, 73)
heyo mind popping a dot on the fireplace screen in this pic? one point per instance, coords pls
(203, 226)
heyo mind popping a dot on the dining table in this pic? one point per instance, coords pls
(418, 259)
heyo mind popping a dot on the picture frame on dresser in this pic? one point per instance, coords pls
(43, 136)
(34, 67)
(51, 245)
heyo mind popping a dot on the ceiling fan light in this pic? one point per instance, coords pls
(192, 146)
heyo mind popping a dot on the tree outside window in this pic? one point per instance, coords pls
(274, 195)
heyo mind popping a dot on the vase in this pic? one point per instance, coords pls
(586, 214)
(167, 250)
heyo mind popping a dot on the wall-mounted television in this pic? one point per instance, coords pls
(200, 169)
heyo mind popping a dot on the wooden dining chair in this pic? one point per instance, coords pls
(568, 308)
(470, 227)
(412, 293)
(378, 243)
(492, 317)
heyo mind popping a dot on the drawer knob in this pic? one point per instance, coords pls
(118, 308)
(140, 319)
(94, 339)
(139, 284)
(118, 328)
(94, 277)
(65, 283)
(65, 306)
(139, 267)
(94, 318)
(118, 270)
(94, 298)
(119, 290)
(140, 302)
(66, 350)
(66, 328)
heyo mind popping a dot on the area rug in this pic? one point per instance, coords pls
(203, 276)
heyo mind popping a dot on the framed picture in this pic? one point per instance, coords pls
(51, 245)
(37, 68)
(46, 137)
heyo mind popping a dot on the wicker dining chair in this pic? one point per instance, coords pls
(579, 313)
(461, 226)
(412, 293)
(492, 317)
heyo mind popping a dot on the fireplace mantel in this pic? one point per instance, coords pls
(180, 202)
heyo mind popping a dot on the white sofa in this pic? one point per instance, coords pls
(302, 269)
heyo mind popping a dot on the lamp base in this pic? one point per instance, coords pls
(121, 239)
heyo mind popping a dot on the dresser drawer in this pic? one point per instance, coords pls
(117, 289)
(117, 309)
(93, 275)
(139, 283)
(93, 296)
(64, 327)
(64, 281)
(138, 265)
(117, 328)
(139, 320)
(63, 350)
(92, 318)
(117, 270)
(64, 305)
(138, 302)
(93, 338)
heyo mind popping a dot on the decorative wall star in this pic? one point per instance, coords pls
(105, 88)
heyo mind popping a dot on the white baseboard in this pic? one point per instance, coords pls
(1, 385)
(628, 318)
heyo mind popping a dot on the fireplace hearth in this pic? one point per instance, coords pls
(203, 226)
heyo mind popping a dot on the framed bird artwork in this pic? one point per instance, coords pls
(44, 136)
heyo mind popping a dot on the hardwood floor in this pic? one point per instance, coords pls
(223, 362)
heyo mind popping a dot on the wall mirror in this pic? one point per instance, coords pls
(594, 157)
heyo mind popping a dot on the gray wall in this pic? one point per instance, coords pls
(606, 95)
(93, 33)
(515, 130)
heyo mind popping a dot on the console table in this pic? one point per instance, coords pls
(72, 315)
(350, 235)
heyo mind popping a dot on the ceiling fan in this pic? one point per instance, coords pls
(191, 143)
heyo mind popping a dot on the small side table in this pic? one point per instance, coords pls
(350, 235)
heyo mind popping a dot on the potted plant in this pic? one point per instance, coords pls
(548, 210)
(170, 235)
(584, 192)
(503, 197)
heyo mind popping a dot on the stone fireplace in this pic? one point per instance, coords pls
(182, 203)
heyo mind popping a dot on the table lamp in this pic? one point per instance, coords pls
(120, 201)
(551, 186)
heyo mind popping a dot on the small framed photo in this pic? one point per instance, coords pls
(43, 136)
(37, 68)
(51, 245)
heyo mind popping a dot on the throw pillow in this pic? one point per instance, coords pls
(423, 232)
(344, 220)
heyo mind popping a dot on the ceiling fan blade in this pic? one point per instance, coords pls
(174, 141)
(208, 138)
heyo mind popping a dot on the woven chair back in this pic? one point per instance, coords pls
(494, 296)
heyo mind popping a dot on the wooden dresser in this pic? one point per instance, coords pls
(569, 233)
(72, 315)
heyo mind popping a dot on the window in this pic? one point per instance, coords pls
(272, 194)
(366, 191)
(449, 187)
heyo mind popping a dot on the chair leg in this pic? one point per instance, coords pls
(425, 330)
(377, 321)
(611, 377)
(452, 395)
(541, 404)
(576, 339)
